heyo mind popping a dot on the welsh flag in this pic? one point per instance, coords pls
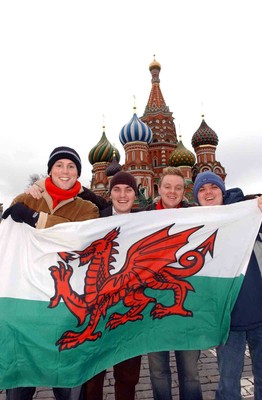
(77, 298)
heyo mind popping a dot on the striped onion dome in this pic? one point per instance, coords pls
(181, 156)
(135, 131)
(104, 151)
(204, 135)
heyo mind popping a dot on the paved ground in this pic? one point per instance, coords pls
(208, 373)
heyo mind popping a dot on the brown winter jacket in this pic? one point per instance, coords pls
(71, 210)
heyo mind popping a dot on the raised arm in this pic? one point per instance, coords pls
(35, 191)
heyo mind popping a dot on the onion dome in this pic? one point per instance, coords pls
(103, 151)
(181, 156)
(113, 167)
(135, 131)
(204, 135)
(154, 65)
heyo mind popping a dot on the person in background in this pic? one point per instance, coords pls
(246, 318)
(58, 203)
(123, 192)
(171, 189)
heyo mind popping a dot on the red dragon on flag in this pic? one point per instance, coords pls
(147, 265)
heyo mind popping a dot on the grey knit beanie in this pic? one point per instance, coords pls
(64, 152)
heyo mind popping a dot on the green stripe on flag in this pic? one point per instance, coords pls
(30, 357)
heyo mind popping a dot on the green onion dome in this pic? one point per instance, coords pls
(181, 156)
(104, 151)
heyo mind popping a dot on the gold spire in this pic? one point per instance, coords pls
(114, 151)
(134, 107)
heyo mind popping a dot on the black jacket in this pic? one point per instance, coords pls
(247, 312)
(99, 201)
(184, 204)
(108, 211)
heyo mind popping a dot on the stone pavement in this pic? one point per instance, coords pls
(208, 374)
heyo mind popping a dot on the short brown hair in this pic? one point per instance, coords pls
(171, 171)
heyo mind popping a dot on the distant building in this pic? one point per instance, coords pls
(151, 144)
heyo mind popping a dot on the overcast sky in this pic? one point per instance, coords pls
(65, 64)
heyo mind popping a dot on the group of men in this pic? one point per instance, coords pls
(40, 208)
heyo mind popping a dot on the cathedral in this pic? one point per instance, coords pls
(150, 144)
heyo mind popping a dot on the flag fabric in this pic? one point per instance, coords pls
(80, 297)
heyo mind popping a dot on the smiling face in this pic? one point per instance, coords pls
(171, 190)
(123, 197)
(210, 195)
(64, 174)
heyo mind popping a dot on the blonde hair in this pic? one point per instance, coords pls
(171, 171)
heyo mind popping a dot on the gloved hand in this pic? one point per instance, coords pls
(21, 213)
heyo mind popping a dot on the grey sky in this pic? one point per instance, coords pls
(64, 64)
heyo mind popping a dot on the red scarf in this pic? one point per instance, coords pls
(159, 205)
(58, 194)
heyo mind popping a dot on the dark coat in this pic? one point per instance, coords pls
(247, 311)
(184, 204)
(107, 212)
(99, 201)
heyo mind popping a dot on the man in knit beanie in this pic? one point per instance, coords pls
(206, 182)
(123, 192)
(123, 178)
(58, 203)
(246, 317)
(64, 152)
